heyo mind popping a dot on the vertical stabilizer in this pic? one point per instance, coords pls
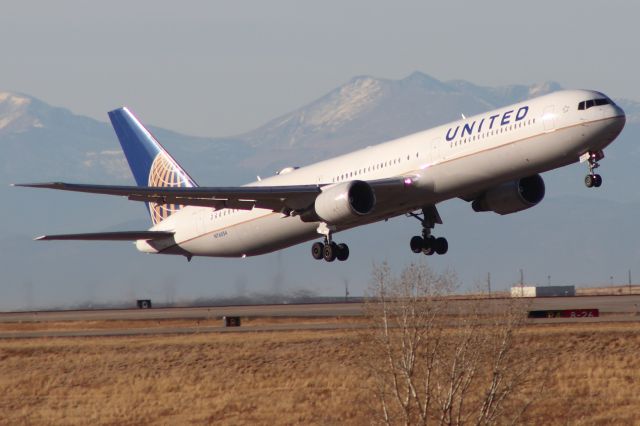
(150, 164)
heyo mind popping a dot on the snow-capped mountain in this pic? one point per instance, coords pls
(367, 110)
(42, 142)
(14, 113)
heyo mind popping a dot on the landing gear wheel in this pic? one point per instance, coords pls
(428, 245)
(329, 252)
(441, 245)
(343, 252)
(316, 250)
(589, 181)
(416, 244)
(598, 181)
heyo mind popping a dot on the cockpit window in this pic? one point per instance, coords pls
(593, 102)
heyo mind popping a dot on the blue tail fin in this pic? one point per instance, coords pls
(150, 163)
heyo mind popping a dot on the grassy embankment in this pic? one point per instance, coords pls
(308, 377)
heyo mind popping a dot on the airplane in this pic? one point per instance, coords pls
(491, 160)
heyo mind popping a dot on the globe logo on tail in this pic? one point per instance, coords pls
(165, 173)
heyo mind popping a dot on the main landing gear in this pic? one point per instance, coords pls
(427, 243)
(592, 179)
(329, 250)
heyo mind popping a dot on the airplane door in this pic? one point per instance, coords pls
(435, 153)
(198, 219)
(549, 118)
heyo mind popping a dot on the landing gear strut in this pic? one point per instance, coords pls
(427, 243)
(329, 251)
(592, 179)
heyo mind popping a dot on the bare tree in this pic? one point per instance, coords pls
(431, 359)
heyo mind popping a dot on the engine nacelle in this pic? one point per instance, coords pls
(511, 197)
(345, 202)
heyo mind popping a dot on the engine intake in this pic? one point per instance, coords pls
(345, 202)
(511, 197)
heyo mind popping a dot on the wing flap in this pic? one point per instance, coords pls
(110, 236)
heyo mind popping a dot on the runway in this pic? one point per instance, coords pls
(326, 316)
(202, 313)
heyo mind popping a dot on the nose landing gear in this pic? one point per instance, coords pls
(427, 243)
(592, 179)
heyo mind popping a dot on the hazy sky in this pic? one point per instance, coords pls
(217, 68)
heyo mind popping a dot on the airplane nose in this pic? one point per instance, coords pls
(618, 120)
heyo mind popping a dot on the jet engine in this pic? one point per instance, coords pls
(511, 197)
(345, 202)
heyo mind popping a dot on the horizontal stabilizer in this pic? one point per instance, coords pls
(110, 236)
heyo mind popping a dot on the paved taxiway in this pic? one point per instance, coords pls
(612, 308)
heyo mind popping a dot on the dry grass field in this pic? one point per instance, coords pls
(296, 377)
(608, 290)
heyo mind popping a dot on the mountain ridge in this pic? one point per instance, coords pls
(365, 111)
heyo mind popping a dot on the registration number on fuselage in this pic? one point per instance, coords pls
(220, 234)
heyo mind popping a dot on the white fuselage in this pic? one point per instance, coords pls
(459, 159)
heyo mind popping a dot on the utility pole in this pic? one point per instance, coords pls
(489, 283)
(521, 278)
(346, 290)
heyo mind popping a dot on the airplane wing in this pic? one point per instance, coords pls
(109, 236)
(276, 198)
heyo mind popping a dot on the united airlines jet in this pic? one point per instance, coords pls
(491, 160)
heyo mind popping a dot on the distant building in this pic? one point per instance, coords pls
(546, 291)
